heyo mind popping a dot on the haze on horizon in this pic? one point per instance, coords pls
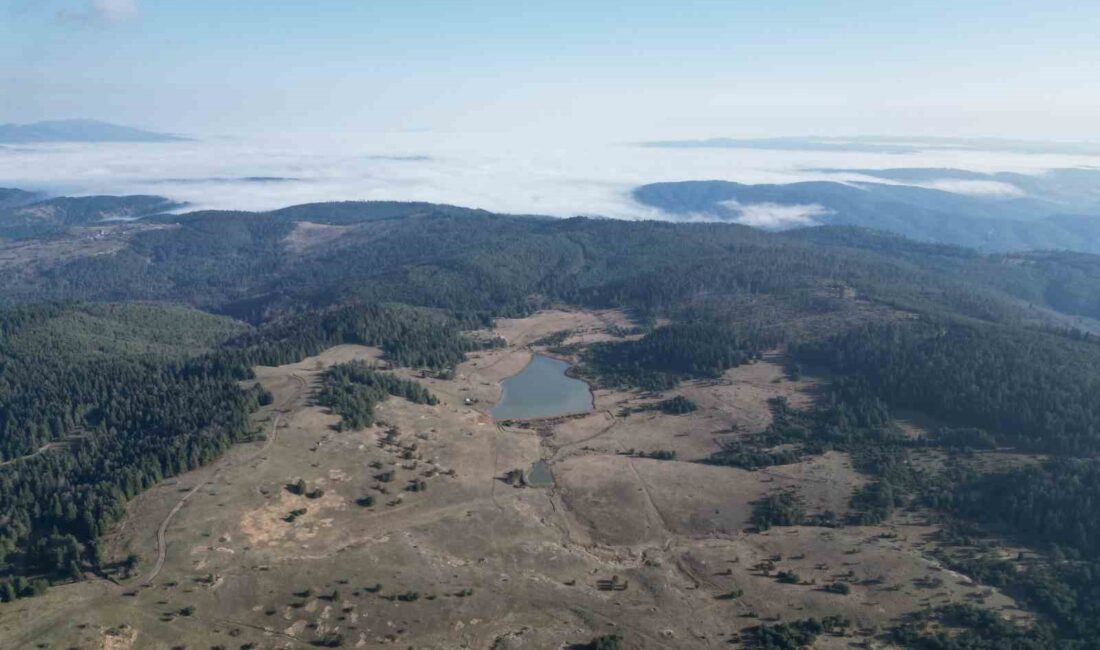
(610, 70)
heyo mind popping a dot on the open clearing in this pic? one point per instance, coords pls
(473, 562)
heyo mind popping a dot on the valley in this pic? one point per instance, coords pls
(549, 326)
(276, 430)
(621, 543)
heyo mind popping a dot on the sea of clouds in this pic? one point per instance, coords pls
(551, 176)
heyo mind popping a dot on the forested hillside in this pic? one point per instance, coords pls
(1061, 281)
(98, 402)
(27, 219)
(1035, 390)
(101, 399)
(665, 356)
(243, 264)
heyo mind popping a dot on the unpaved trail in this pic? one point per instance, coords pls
(41, 450)
(564, 448)
(162, 544)
(54, 444)
(665, 527)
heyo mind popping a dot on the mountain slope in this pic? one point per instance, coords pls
(1063, 281)
(53, 216)
(11, 197)
(255, 265)
(103, 401)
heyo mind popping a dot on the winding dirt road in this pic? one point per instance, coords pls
(162, 544)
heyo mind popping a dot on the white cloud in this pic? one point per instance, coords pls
(559, 177)
(114, 11)
(774, 216)
(991, 189)
(110, 12)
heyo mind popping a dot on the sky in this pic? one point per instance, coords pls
(568, 68)
(531, 107)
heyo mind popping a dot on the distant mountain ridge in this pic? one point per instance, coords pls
(11, 197)
(252, 264)
(54, 216)
(79, 131)
(1059, 210)
(1075, 189)
(880, 144)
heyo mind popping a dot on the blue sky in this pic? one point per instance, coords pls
(626, 70)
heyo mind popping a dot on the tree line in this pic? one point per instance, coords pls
(1035, 390)
(669, 354)
(126, 420)
(352, 390)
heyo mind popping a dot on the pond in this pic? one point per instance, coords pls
(542, 390)
(539, 476)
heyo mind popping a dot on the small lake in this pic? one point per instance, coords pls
(542, 390)
(539, 476)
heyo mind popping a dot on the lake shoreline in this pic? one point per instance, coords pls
(537, 382)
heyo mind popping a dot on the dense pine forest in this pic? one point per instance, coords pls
(256, 266)
(101, 401)
(1035, 390)
(147, 375)
(352, 390)
(664, 356)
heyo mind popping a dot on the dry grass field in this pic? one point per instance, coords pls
(473, 562)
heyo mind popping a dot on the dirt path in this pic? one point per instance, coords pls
(661, 520)
(162, 544)
(55, 444)
(41, 450)
(558, 450)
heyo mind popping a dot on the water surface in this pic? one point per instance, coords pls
(539, 476)
(542, 390)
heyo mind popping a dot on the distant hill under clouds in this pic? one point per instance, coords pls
(78, 131)
(1057, 210)
(883, 145)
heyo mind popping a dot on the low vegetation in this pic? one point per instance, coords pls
(792, 636)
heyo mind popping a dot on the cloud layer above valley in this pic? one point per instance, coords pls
(558, 178)
(775, 216)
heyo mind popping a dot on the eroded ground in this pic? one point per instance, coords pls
(655, 549)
